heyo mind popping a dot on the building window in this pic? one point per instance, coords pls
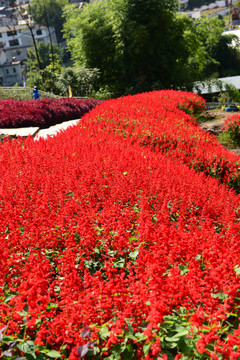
(39, 32)
(7, 71)
(1, 45)
(11, 33)
(18, 52)
(14, 42)
(14, 70)
(0, 35)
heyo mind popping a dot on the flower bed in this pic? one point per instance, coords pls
(43, 112)
(155, 121)
(232, 126)
(111, 250)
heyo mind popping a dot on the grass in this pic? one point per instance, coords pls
(21, 93)
(225, 139)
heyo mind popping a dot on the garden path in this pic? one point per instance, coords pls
(36, 132)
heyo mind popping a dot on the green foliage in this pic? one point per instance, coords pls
(45, 54)
(82, 81)
(50, 75)
(10, 347)
(227, 55)
(55, 78)
(237, 4)
(141, 45)
(46, 79)
(234, 133)
(202, 38)
(212, 54)
(134, 44)
(233, 93)
(20, 93)
(48, 12)
(34, 77)
(197, 3)
(175, 336)
(91, 39)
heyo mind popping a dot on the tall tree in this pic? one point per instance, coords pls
(134, 43)
(139, 45)
(90, 37)
(198, 3)
(210, 50)
(49, 13)
(45, 55)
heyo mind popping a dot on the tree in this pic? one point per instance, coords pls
(49, 13)
(198, 3)
(228, 56)
(44, 53)
(45, 77)
(134, 43)
(82, 81)
(212, 53)
(202, 38)
(139, 45)
(90, 38)
(237, 4)
(24, 15)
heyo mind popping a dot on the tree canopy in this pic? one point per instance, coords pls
(45, 55)
(141, 45)
(49, 13)
(134, 43)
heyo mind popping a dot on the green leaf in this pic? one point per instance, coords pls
(219, 295)
(198, 257)
(53, 354)
(183, 269)
(113, 357)
(104, 332)
(129, 326)
(237, 270)
(131, 336)
(146, 348)
(128, 353)
(185, 346)
(134, 254)
(140, 336)
(182, 333)
(28, 347)
(172, 339)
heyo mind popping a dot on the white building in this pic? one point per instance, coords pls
(11, 72)
(215, 86)
(16, 40)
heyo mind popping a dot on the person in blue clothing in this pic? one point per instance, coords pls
(36, 94)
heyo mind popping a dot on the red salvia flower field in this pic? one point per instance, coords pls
(232, 127)
(115, 241)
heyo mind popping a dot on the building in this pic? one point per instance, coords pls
(16, 40)
(14, 43)
(11, 72)
(216, 86)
